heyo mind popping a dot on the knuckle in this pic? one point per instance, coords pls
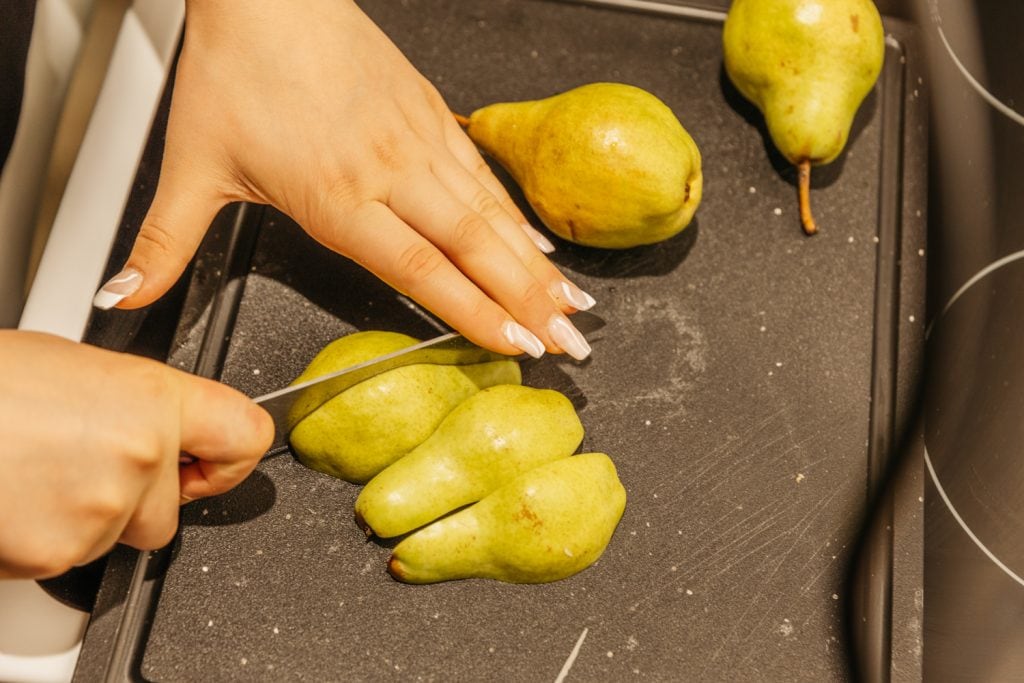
(536, 295)
(481, 168)
(157, 535)
(343, 186)
(386, 150)
(156, 235)
(469, 231)
(419, 263)
(479, 309)
(485, 204)
(143, 447)
(105, 504)
(37, 559)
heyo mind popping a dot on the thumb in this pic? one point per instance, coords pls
(225, 432)
(179, 216)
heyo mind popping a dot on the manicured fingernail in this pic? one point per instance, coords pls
(521, 338)
(542, 242)
(117, 289)
(575, 296)
(568, 337)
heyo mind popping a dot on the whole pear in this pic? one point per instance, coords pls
(490, 438)
(807, 65)
(604, 165)
(365, 428)
(547, 524)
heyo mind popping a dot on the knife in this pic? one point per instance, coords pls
(288, 406)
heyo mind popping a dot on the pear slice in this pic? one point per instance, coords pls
(547, 524)
(490, 438)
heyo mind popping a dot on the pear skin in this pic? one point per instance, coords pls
(547, 524)
(807, 65)
(489, 439)
(367, 427)
(604, 165)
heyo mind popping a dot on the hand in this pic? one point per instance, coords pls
(306, 105)
(91, 446)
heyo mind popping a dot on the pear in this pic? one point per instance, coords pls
(489, 439)
(367, 427)
(604, 165)
(547, 524)
(807, 65)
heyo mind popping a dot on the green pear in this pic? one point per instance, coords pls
(547, 524)
(807, 65)
(367, 427)
(604, 165)
(489, 439)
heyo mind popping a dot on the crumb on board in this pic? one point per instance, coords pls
(205, 569)
(689, 592)
(777, 211)
(800, 477)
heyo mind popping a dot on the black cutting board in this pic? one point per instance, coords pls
(731, 383)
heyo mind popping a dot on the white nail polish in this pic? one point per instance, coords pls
(542, 242)
(521, 338)
(117, 289)
(568, 337)
(576, 297)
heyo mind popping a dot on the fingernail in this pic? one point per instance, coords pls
(542, 242)
(575, 296)
(117, 289)
(568, 337)
(521, 338)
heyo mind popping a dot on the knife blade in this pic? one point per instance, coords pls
(288, 406)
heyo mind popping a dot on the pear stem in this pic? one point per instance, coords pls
(461, 120)
(804, 177)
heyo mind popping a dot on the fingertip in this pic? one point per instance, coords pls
(179, 216)
(522, 339)
(263, 427)
(541, 242)
(118, 288)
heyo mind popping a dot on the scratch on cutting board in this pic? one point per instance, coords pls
(572, 657)
(797, 532)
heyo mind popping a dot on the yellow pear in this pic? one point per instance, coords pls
(490, 438)
(367, 427)
(547, 524)
(807, 65)
(603, 165)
